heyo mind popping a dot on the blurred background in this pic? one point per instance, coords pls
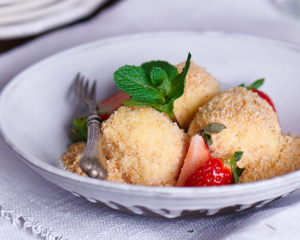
(24, 20)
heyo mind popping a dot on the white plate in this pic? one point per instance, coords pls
(36, 108)
(11, 2)
(14, 10)
(39, 20)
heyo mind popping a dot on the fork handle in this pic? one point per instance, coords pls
(93, 161)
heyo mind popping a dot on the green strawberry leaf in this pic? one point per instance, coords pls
(254, 85)
(78, 130)
(238, 156)
(134, 81)
(170, 69)
(211, 128)
(236, 171)
(239, 172)
(207, 138)
(214, 127)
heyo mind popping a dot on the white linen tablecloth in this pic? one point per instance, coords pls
(32, 208)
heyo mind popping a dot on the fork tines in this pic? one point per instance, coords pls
(81, 88)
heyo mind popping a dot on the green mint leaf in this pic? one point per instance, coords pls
(242, 85)
(167, 107)
(238, 156)
(134, 81)
(160, 79)
(178, 82)
(136, 102)
(156, 84)
(214, 127)
(191, 231)
(170, 69)
(256, 84)
(78, 130)
(158, 75)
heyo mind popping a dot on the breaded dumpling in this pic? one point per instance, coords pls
(252, 127)
(200, 87)
(289, 157)
(71, 158)
(143, 146)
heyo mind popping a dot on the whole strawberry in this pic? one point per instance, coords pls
(253, 87)
(216, 172)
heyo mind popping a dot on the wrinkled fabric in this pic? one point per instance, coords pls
(33, 208)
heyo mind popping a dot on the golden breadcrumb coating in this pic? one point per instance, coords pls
(252, 127)
(288, 161)
(200, 87)
(71, 161)
(71, 158)
(143, 146)
(289, 157)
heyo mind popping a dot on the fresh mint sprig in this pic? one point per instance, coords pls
(155, 84)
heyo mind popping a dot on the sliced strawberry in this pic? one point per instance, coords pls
(264, 96)
(197, 155)
(112, 103)
(216, 172)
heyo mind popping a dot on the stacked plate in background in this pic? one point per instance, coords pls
(23, 18)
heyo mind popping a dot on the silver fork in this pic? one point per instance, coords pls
(92, 161)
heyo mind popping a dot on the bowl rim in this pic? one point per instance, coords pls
(180, 191)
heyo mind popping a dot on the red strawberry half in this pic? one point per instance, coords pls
(216, 172)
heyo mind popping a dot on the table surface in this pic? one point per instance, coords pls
(32, 208)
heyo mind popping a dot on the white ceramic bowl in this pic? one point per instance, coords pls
(36, 108)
